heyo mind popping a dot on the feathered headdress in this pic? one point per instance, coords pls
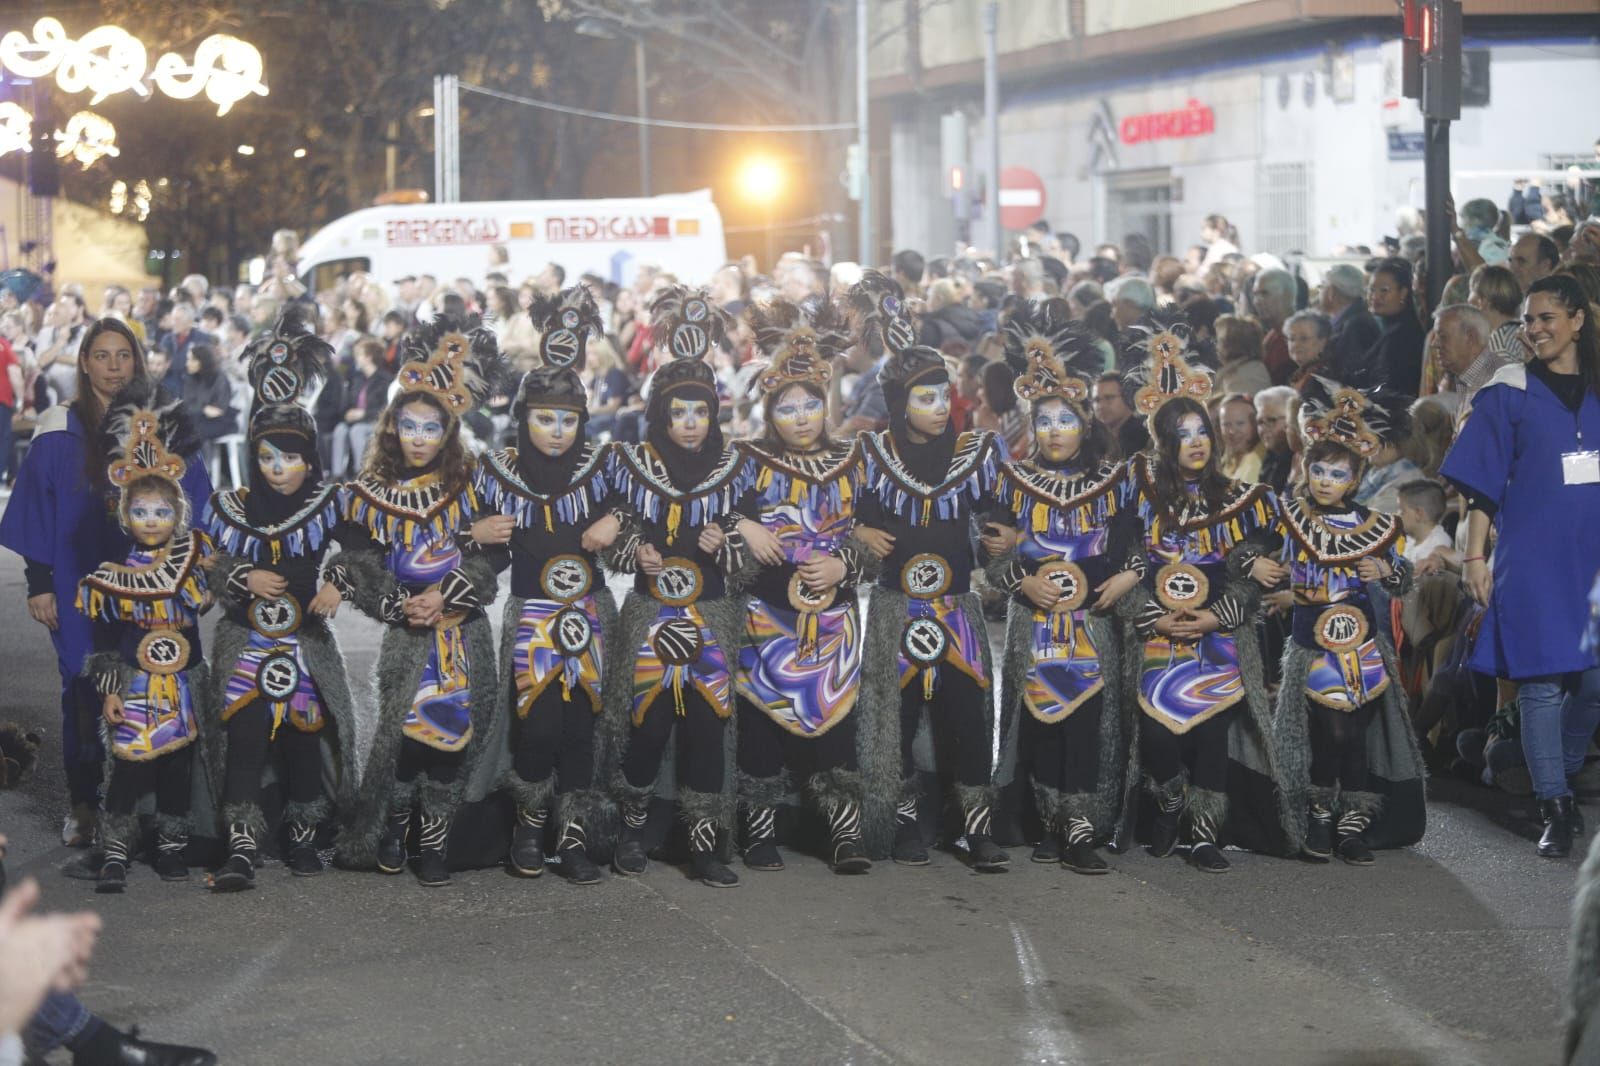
(565, 322)
(281, 366)
(800, 343)
(686, 324)
(1053, 357)
(147, 434)
(550, 386)
(456, 363)
(1361, 421)
(877, 303)
(1166, 373)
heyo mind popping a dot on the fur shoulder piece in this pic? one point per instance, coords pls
(974, 468)
(1070, 503)
(1319, 543)
(302, 533)
(501, 489)
(398, 514)
(168, 589)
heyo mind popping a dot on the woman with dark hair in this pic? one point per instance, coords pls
(57, 520)
(1526, 461)
(999, 412)
(1395, 359)
(1197, 751)
(412, 572)
(800, 666)
(208, 395)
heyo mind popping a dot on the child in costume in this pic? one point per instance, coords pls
(406, 567)
(1201, 743)
(687, 491)
(800, 666)
(554, 502)
(278, 682)
(146, 610)
(1345, 740)
(927, 644)
(1072, 553)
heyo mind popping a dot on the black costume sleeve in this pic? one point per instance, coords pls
(104, 666)
(228, 576)
(1005, 572)
(860, 565)
(622, 556)
(1125, 542)
(458, 593)
(39, 576)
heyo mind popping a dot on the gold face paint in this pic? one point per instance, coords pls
(552, 430)
(151, 519)
(1194, 444)
(284, 472)
(420, 428)
(798, 417)
(928, 408)
(1058, 431)
(688, 423)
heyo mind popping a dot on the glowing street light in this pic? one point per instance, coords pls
(761, 180)
(299, 153)
(88, 137)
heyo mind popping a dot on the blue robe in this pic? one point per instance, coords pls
(1548, 548)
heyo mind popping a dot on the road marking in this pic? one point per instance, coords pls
(1052, 1043)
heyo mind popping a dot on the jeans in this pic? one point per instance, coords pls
(5, 442)
(1559, 716)
(60, 1021)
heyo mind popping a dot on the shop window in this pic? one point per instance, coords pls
(1140, 202)
(1284, 206)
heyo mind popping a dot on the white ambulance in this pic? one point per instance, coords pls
(680, 233)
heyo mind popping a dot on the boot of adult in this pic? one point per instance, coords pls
(107, 1046)
(1556, 840)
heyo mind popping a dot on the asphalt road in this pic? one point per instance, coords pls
(1453, 952)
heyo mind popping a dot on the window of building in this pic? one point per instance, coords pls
(1140, 201)
(1284, 208)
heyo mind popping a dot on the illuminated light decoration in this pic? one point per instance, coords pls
(88, 137)
(246, 149)
(141, 199)
(108, 60)
(16, 129)
(299, 153)
(119, 197)
(1192, 120)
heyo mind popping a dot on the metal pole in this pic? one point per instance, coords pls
(452, 90)
(644, 112)
(438, 138)
(863, 130)
(1436, 182)
(991, 118)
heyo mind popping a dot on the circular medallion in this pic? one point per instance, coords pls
(679, 583)
(1341, 629)
(690, 341)
(925, 576)
(561, 348)
(279, 385)
(571, 631)
(278, 677)
(924, 641)
(803, 598)
(566, 578)
(1180, 586)
(569, 318)
(899, 334)
(677, 641)
(278, 353)
(1070, 579)
(696, 311)
(163, 651)
(277, 617)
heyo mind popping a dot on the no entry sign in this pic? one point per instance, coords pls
(1021, 198)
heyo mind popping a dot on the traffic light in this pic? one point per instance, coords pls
(1439, 43)
(1411, 50)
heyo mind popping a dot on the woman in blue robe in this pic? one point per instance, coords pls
(1527, 461)
(61, 519)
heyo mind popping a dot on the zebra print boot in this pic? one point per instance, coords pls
(844, 826)
(573, 851)
(432, 834)
(986, 854)
(909, 847)
(704, 866)
(238, 872)
(527, 842)
(1079, 855)
(761, 839)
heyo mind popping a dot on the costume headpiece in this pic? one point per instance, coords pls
(551, 386)
(281, 366)
(456, 363)
(1361, 421)
(878, 303)
(799, 341)
(1054, 357)
(565, 322)
(1167, 373)
(147, 434)
(686, 324)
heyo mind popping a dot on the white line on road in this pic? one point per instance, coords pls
(1053, 1044)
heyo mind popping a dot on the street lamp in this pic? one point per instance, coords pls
(605, 30)
(761, 182)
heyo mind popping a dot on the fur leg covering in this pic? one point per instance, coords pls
(1208, 814)
(313, 813)
(762, 791)
(972, 797)
(1049, 801)
(828, 789)
(173, 826)
(1364, 805)
(629, 795)
(1168, 794)
(1324, 796)
(1079, 805)
(121, 829)
(878, 724)
(702, 806)
(248, 814)
(592, 811)
(529, 796)
(439, 799)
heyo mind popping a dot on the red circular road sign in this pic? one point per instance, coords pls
(1021, 198)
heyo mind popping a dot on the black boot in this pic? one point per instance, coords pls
(909, 847)
(113, 875)
(1319, 832)
(527, 843)
(1356, 811)
(1207, 811)
(170, 863)
(303, 858)
(1556, 841)
(987, 857)
(629, 858)
(432, 835)
(572, 850)
(761, 839)
(1048, 850)
(392, 845)
(844, 827)
(109, 1047)
(704, 866)
(238, 871)
(1576, 821)
(1169, 799)
(1080, 856)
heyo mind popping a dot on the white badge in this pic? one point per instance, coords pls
(1580, 468)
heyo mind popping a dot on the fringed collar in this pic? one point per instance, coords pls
(398, 513)
(501, 489)
(1315, 541)
(830, 477)
(166, 589)
(974, 466)
(1246, 509)
(1071, 503)
(302, 533)
(641, 476)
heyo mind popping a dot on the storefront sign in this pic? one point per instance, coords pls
(434, 231)
(1194, 120)
(1406, 144)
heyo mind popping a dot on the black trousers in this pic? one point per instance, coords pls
(1065, 755)
(1339, 745)
(416, 759)
(701, 733)
(765, 747)
(250, 743)
(958, 714)
(166, 775)
(556, 737)
(1203, 750)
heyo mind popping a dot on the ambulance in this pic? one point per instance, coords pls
(680, 233)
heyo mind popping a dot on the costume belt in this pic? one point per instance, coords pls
(925, 576)
(275, 617)
(566, 578)
(680, 582)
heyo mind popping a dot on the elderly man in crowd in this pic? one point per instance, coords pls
(1342, 297)
(1534, 256)
(1272, 424)
(1461, 336)
(1131, 299)
(1273, 293)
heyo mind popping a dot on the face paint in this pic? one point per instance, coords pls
(1058, 431)
(151, 519)
(797, 416)
(552, 430)
(928, 409)
(1329, 480)
(1194, 444)
(283, 471)
(420, 428)
(688, 423)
